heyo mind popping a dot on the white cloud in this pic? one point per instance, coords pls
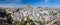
(12, 5)
(46, 1)
(13, 0)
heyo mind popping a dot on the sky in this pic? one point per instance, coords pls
(33, 3)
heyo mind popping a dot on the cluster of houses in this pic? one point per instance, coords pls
(36, 14)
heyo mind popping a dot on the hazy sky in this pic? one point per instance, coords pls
(34, 3)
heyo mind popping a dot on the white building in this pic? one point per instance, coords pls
(34, 14)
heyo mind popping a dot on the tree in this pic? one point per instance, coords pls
(9, 18)
(28, 19)
(31, 20)
(17, 9)
(13, 23)
(40, 22)
(39, 7)
(53, 13)
(20, 23)
(32, 24)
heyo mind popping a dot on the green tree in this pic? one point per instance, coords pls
(8, 15)
(13, 23)
(9, 18)
(31, 20)
(54, 13)
(41, 22)
(28, 19)
(20, 23)
(32, 24)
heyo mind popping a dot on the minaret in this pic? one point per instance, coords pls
(28, 6)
